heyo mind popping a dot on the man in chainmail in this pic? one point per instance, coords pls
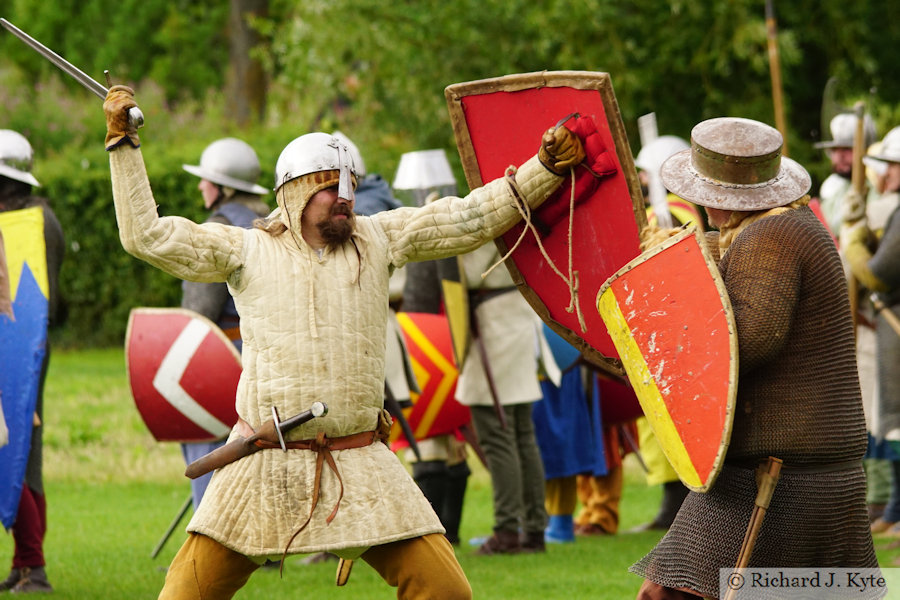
(311, 286)
(798, 396)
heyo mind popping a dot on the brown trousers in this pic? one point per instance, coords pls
(420, 568)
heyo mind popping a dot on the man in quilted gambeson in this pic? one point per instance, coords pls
(311, 287)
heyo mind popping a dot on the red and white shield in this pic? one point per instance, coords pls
(499, 122)
(183, 372)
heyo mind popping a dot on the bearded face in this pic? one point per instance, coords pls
(338, 227)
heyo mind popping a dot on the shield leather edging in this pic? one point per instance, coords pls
(670, 317)
(527, 117)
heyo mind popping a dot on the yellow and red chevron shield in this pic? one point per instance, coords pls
(669, 316)
(435, 411)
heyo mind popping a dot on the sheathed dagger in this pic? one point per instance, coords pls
(135, 116)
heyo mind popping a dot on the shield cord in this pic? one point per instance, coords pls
(525, 211)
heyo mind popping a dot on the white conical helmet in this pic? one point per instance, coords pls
(843, 130)
(654, 154)
(312, 153)
(16, 157)
(229, 162)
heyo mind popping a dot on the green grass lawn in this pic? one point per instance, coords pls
(112, 491)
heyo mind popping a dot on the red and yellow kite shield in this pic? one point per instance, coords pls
(435, 411)
(669, 315)
(184, 374)
(499, 122)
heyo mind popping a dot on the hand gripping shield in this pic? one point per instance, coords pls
(670, 318)
(184, 374)
(585, 237)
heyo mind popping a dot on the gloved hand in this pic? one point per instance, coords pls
(560, 149)
(119, 99)
(855, 246)
(854, 207)
(855, 233)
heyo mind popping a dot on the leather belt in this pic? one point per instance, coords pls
(322, 446)
(357, 440)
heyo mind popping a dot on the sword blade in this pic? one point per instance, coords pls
(61, 63)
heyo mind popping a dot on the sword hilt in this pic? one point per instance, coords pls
(135, 117)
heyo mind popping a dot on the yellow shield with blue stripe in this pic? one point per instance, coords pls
(669, 316)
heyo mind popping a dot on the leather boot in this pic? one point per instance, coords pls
(33, 581)
(451, 515)
(533, 542)
(14, 576)
(502, 542)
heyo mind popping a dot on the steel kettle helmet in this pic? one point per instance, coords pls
(890, 147)
(315, 152)
(229, 162)
(16, 157)
(843, 130)
(654, 153)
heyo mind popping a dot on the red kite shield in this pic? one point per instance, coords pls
(183, 372)
(435, 410)
(499, 122)
(670, 318)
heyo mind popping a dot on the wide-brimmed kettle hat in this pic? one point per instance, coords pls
(735, 164)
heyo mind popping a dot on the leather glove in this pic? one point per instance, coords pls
(560, 149)
(854, 207)
(854, 244)
(855, 233)
(119, 99)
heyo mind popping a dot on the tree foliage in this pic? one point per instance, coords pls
(377, 71)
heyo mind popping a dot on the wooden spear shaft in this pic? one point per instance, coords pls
(858, 182)
(766, 482)
(775, 72)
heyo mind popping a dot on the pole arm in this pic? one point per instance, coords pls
(775, 72)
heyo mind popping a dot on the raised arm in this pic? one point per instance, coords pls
(452, 225)
(178, 246)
